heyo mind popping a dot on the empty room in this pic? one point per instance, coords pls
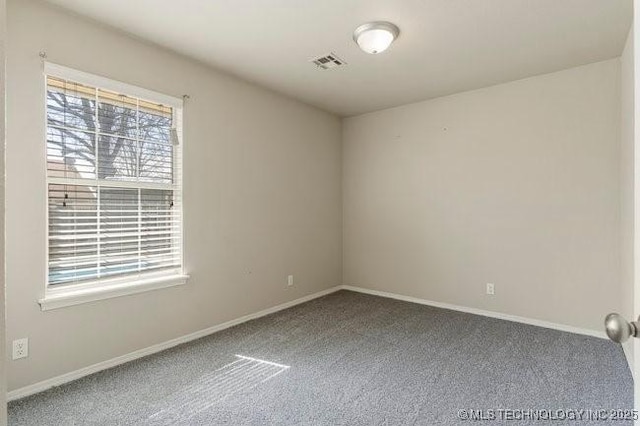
(319, 212)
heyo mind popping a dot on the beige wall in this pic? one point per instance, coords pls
(262, 198)
(627, 188)
(516, 184)
(634, 58)
(3, 388)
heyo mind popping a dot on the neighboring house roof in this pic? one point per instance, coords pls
(57, 168)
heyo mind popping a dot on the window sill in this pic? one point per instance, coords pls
(62, 298)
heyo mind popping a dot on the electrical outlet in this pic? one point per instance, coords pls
(290, 281)
(491, 289)
(21, 348)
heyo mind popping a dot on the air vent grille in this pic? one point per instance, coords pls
(328, 61)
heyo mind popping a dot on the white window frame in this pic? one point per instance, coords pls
(62, 295)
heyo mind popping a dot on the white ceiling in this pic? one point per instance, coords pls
(445, 46)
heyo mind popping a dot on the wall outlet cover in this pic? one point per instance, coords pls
(491, 290)
(21, 348)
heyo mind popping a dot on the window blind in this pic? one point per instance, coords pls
(113, 172)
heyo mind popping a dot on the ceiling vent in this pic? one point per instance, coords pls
(328, 61)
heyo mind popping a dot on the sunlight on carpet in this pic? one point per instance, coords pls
(236, 377)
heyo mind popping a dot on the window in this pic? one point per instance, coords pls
(113, 181)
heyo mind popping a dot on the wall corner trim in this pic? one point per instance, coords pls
(113, 362)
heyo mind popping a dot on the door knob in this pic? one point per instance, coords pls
(619, 329)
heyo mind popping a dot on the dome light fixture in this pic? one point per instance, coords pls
(375, 37)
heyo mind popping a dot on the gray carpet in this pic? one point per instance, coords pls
(347, 358)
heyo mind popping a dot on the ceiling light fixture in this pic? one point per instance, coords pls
(375, 37)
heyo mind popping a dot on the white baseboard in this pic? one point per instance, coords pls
(77, 374)
(491, 314)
